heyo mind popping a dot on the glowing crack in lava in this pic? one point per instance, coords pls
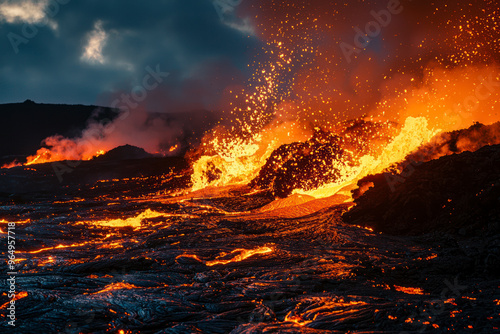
(134, 222)
(115, 286)
(238, 255)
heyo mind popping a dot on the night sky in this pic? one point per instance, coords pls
(90, 52)
(93, 52)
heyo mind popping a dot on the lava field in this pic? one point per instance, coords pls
(124, 256)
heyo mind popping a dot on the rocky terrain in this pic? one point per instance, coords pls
(137, 254)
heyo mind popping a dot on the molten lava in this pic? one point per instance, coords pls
(57, 247)
(134, 222)
(63, 149)
(411, 291)
(115, 286)
(238, 255)
(20, 295)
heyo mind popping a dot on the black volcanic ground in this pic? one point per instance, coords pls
(324, 275)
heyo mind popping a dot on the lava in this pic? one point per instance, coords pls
(115, 286)
(134, 222)
(60, 148)
(408, 290)
(60, 246)
(20, 295)
(238, 255)
(47, 261)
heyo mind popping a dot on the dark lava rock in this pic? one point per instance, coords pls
(315, 162)
(458, 141)
(304, 165)
(458, 193)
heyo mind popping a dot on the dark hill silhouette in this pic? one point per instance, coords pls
(125, 152)
(23, 126)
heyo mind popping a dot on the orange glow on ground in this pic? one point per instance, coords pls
(57, 247)
(243, 254)
(134, 222)
(18, 296)
(410, 291)
(3, 221)
(296, 319)
(116, 286)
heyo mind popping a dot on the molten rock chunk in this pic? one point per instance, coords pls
(302, 165)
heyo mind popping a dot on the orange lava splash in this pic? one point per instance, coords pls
(414, 133)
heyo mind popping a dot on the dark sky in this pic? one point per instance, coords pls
(92, 51)
(253, 62)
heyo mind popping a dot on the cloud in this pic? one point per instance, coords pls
(244, 26)
(102, 48)
(26, 11)
(96, 41)
(228, 15)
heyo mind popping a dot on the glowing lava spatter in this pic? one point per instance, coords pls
(415, 132)
(304, 82)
